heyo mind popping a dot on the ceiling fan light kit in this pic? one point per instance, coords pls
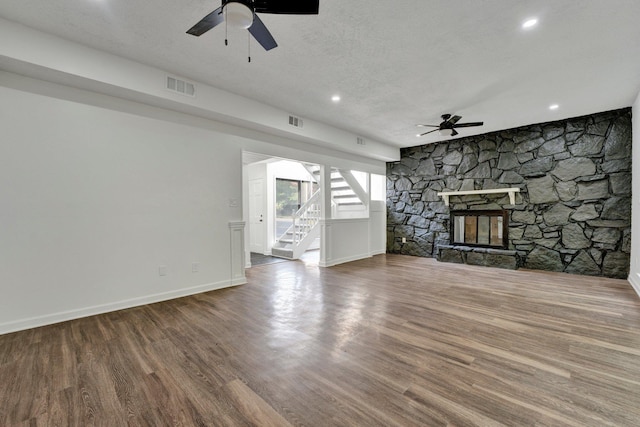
(238, 15)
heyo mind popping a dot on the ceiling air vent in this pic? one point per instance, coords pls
(295, 121)
(360, 141)
(174, 84)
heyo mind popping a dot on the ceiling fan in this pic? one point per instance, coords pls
(449, 125)
(243, 14)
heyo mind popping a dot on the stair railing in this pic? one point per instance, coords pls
(305, 218)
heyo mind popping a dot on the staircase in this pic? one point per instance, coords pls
(346, 192)
(304, 230)
(348, 198)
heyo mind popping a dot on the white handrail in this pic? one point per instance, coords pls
(304, 219)
(512, 193)
(313, 199)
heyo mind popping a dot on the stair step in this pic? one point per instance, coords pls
(333, 174)
(282, 253)
(351, 204)
(340, 188)
(337, 179)
(346, 196)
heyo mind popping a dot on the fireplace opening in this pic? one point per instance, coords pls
(489, 228)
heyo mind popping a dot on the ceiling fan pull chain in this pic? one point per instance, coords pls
(249, 44)
(226, 41)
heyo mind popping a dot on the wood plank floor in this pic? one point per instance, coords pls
(388, 341)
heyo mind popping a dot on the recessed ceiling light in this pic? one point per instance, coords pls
(335, 98)
(554, 107)
(529, 23)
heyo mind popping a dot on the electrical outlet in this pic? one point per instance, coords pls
(162, 270)
(404, 240)
(195, 267)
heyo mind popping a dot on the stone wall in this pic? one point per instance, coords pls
(573, 213)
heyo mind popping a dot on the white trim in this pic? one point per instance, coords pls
(512, 193)
(236, 225)
(635, 283)
(64, 316)
(237, 252)
(352, 258)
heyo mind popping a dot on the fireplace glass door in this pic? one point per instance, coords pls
(480, 228)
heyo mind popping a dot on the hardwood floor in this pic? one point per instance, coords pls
(388, 341)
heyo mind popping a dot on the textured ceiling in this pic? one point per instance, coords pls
(394, 64)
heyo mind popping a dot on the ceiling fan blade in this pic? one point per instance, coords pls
(453, 132)
(431, 131)
(208, 22)
(289, 7)
(428, 126)
(454, 119)
(468, 125)
(259, 31)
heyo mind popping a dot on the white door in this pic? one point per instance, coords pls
(257, 221)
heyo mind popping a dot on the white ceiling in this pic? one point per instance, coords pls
(395, 64)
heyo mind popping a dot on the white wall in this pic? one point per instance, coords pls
(344, 240)
(28, 51)
(97, 193)
(634, 274)
(94, 201)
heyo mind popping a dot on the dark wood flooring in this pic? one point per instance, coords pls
(387, 341)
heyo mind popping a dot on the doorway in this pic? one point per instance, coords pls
(290, 195)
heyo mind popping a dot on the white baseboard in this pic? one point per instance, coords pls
(635, 283)
(49, 319)
(331, 263)
(235, 282)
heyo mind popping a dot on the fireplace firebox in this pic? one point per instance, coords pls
(482, 228)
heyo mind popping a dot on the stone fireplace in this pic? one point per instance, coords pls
(565, 186)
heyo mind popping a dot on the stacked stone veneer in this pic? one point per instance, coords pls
(573, 213)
